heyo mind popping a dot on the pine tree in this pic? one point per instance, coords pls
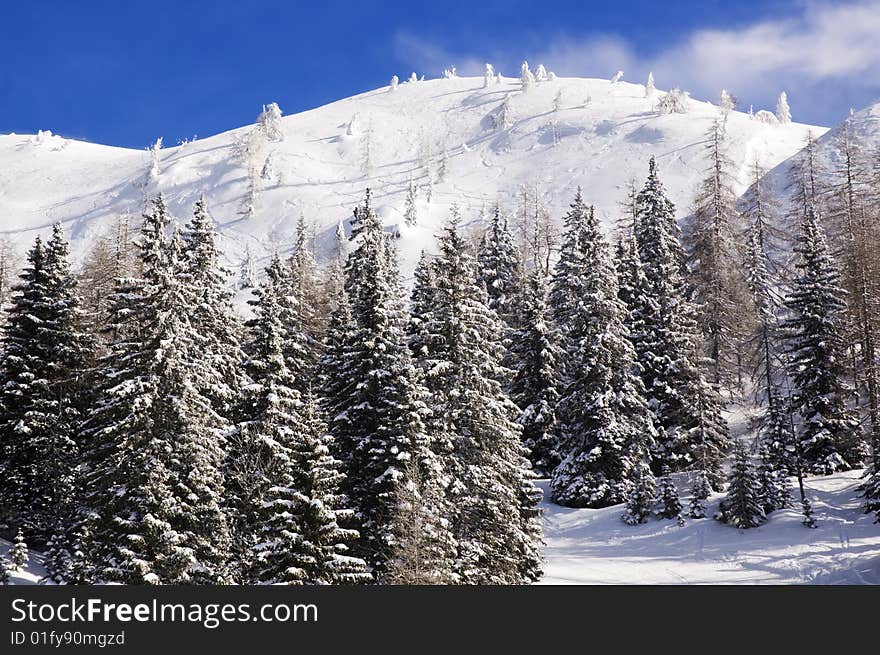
(830, 437)
(534, 386)
(499, 268)
(18, 554)
(5, 566)
(301, 539)
(671, 504)
(687, 410)
(640, 497)
(269, 418)
(492, 499)
(773, 482)
(57, 559)
(742, 506)
(566, 288)
(717, 285)
(371, 393)
(605, 426)
(783, 111)
(214, 322)
(421, 535)
(154, 482)
(700, 490)
(305, 303)
(410, 212)
(41, 393)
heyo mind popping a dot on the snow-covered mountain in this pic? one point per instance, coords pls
(600, 137)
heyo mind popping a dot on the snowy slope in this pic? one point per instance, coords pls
(595, 547)
(585, 546)
(606, 133)
(864, 130)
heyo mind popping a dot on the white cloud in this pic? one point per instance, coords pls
(825, 45)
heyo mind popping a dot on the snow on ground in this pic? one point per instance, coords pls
(585, 546)
(604, 135)
(32, 574)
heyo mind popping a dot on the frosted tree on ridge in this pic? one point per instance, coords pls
(488, 75)
(649, 86)
(526, 76)
(540, 73)
(394, 82)
(783, 111)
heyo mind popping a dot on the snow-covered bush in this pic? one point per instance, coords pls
(540, 73)
(413, 77)
(551, 76)
(449, 73)
(394, 82)
(617, 77)
(767, 117)
(674, 101)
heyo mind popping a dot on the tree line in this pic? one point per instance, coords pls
(350, 431)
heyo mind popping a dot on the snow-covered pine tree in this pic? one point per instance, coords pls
(304, 286)
(215, 324)
(669, 500)
(269, 121)
(773, 482)
(422, 538)
(830, 436)
(269, 415)
(783, 111)
(371, 393)
(687, 409)
(726, 103)
(80, 564)
(42, 364)
(410, 211)
(5, 566)
(18, 554)
(300, 539)
(526, 77)
(155, 442)
(499, 270)
(640, 497)
(534, 386)
(566, 287)
(715, 272)
(502, 117)
(742, 507)
(57, 558)
(493, 502)
(488, 75)
(700, 490)
(765, 339)
(649, 85)
(604, 424)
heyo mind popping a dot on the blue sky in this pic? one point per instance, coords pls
(111, 73)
